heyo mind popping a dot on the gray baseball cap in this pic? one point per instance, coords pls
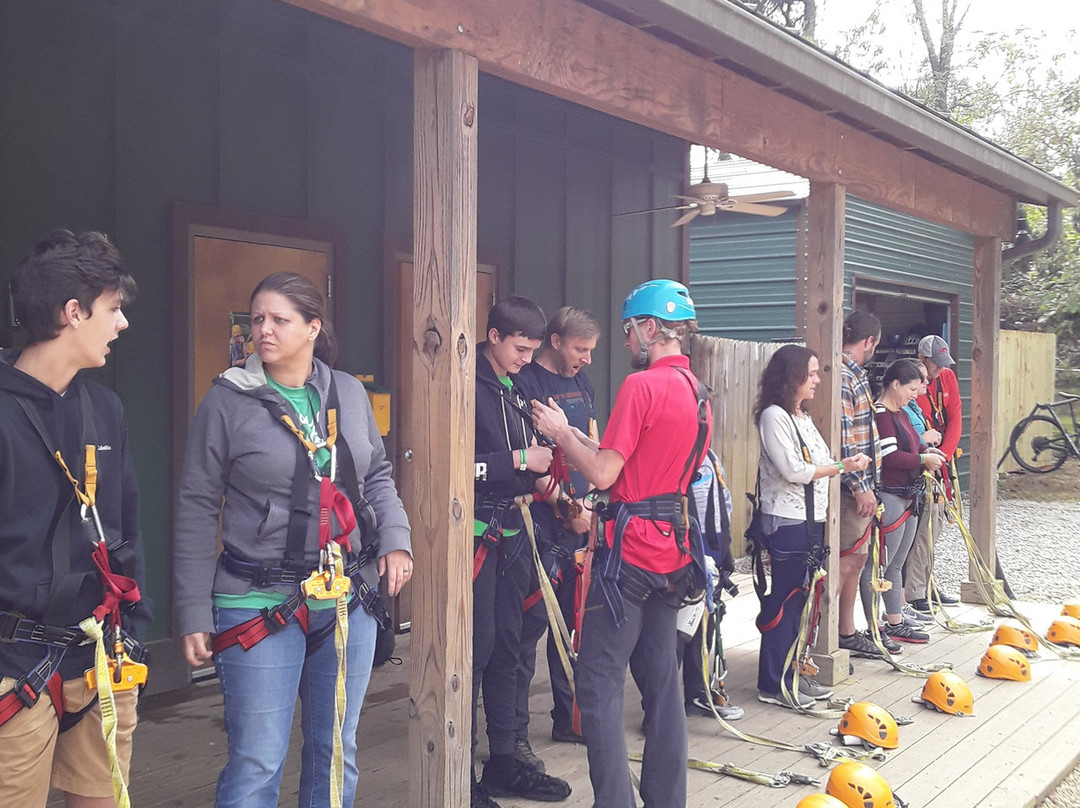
(936, 350)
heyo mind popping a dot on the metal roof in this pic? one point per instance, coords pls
(740, 41)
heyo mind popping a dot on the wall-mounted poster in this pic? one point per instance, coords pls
(240, 344)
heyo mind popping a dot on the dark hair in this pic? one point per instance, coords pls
(309, 304)
(571, 323)
(904, 371)
(516, 316)
(787, 369)
(859, 325)
(63, 267)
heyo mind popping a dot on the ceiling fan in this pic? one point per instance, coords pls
(705, 198)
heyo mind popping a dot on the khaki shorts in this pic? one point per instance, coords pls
(36, 756)
(853, 535)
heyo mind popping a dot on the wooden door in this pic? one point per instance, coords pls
(224, 271)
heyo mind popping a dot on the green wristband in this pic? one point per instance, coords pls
(840, 465)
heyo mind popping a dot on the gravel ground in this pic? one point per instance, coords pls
(1037, 546)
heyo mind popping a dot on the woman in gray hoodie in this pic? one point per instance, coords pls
(260, 452)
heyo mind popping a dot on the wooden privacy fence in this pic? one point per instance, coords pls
(731, 370)
(1025, 377)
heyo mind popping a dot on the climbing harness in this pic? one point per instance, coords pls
(126, 668)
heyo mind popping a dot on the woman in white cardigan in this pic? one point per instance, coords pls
(794, 457)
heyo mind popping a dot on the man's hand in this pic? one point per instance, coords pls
(549, 418)
(538, 458)
(866, 503)
(931, 437)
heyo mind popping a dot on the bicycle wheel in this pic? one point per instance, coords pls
(1038, 444)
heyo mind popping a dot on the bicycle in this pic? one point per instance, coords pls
(1040, 442)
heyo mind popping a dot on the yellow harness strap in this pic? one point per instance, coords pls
(94, 630)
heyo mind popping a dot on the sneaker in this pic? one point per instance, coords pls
(808, 686)
(523, 752)
(859, 645)
(521, 780)
(699, 704)
(479, 798)
(922, 606)
(778, 698)
(945, 600)
(891, 645)
(564, 733)
(913, 617)
(905, 633)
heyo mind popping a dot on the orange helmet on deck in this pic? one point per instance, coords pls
(1064, 631)
(1003, 662)
(1015, 637)
(1071, 609)
(873, 724)
(949, 693)
(820, 801)
(857, 785)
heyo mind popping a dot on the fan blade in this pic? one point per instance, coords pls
(758, 210)
(763, 197)
(690, 214)
(652, 210)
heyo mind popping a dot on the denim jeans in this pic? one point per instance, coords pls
(260, 687)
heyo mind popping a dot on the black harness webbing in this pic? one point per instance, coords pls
(669, 508)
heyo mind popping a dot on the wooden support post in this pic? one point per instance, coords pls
(442, 426)
(824, 326)
(982, 494)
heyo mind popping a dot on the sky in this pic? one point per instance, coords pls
(1056, 19)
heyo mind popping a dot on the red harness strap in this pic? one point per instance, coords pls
(11, 703)
(780, 614)
(259, 628)
(865, 537)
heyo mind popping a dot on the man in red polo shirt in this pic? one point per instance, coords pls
(655, 439)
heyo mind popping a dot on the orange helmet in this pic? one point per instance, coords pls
(1016, 637)
(949, 693)
(870, 723)
(1064, 631)
(1071, 609)
(820, 801)
(1003, 662)
(857, 785)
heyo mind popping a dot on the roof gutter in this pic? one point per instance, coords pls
(1045, 241)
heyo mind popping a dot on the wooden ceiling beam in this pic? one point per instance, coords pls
(574, 52)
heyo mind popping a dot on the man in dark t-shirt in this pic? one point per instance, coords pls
(556, 373)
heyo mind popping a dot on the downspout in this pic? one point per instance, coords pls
(1047, 239)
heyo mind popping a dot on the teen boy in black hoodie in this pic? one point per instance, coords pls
(508, 463)
(67, 293)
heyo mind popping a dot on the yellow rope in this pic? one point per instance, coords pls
(341, 641)
(94, 630)
(559, 630)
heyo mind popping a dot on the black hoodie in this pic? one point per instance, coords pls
(503, 427)
(34, 493)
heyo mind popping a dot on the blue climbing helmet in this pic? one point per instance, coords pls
(665, 299)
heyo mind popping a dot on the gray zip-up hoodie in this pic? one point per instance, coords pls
(239, 467)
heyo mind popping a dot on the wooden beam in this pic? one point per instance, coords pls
(577, 53)
(824, 336)
(442, 426)
(984, 385)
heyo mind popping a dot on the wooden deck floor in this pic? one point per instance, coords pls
(1023, 738)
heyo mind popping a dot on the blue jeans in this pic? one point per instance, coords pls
(260, 687)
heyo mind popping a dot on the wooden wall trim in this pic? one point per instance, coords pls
(574, 52)
(824, 328)
(442, 426)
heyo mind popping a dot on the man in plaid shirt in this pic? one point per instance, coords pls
(858, 497)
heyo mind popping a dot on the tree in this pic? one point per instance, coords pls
(798, 16)
(940, 54)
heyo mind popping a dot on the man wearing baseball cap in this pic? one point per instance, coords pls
(942, 408)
